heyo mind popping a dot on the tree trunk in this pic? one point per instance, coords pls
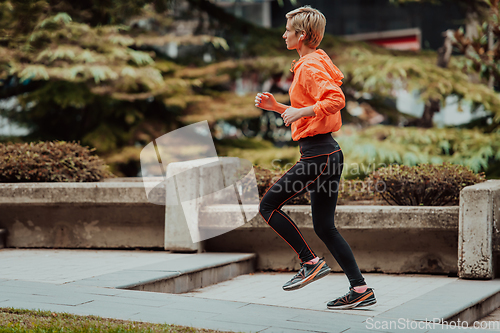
(491, 46)
(471, 24)
(431, 107)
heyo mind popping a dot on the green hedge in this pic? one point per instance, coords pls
(424, 184)
(421, 185)
(349, 190)
(56, 161)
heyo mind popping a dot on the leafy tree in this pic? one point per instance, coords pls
(478, 42)
(86, 78)
(87, 71)
(380, 145)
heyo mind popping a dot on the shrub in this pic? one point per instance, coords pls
(267, 177)
(349, 190)
(424, 184)
(357, 190)
(57, 161)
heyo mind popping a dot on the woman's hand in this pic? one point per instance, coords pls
(266, 101)
(291, 115)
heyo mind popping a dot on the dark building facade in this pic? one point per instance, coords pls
(348, 17)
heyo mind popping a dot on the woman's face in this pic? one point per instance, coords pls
(291, 39)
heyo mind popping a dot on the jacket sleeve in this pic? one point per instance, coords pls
(328, 96)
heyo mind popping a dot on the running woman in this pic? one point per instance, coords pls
(316, 100)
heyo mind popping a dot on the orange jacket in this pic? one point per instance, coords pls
(317, 82)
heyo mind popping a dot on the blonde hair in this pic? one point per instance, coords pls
(308, 20)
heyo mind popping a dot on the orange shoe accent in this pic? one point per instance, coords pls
(316, 271)
(363, 297)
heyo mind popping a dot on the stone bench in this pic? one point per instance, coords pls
(353, 217)
(389, 239)
(412, 239)
(80, 215)
(3, 234)
(118, 214)
(479, 231)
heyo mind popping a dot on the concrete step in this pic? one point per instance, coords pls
(179, 275)
(459, 301)
(3, 238)
(491, 321)
(485, 304)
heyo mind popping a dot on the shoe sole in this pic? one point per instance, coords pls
(299, 285)
(353, 305)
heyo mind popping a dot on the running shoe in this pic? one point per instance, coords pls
(307, 274)
(353, 300)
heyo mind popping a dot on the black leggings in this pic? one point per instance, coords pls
(318, 171)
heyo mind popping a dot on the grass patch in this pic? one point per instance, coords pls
(37, 321)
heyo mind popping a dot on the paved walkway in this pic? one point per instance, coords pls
(72, 281)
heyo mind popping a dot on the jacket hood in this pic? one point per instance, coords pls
(319, 57)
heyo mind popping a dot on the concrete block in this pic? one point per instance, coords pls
(353, 217)
(61, 193)
(205, 271)
(83, 225)
(185, 187)
(196, 184)
(478, 224)
(194, 263)
(80, 215)
(3, 237)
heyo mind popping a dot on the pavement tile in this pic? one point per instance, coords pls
(126, 278)
(18, 284)
(153, 303)
(266, 288)
(248, 303)
(36, 306)
(490, 325)
(202, 304)
(171, 316)
(137, 294)
(109, 310)
(356, 330)
(391, 325)
(71, 300)
(404, 325)
(284, 330)
(259, 310)
(469, 329)
(321, 326)
(445, 302)
(338, 316)
(60, 266)
(205, 323)
(283, 318)
(197, 262)
(95, 290)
